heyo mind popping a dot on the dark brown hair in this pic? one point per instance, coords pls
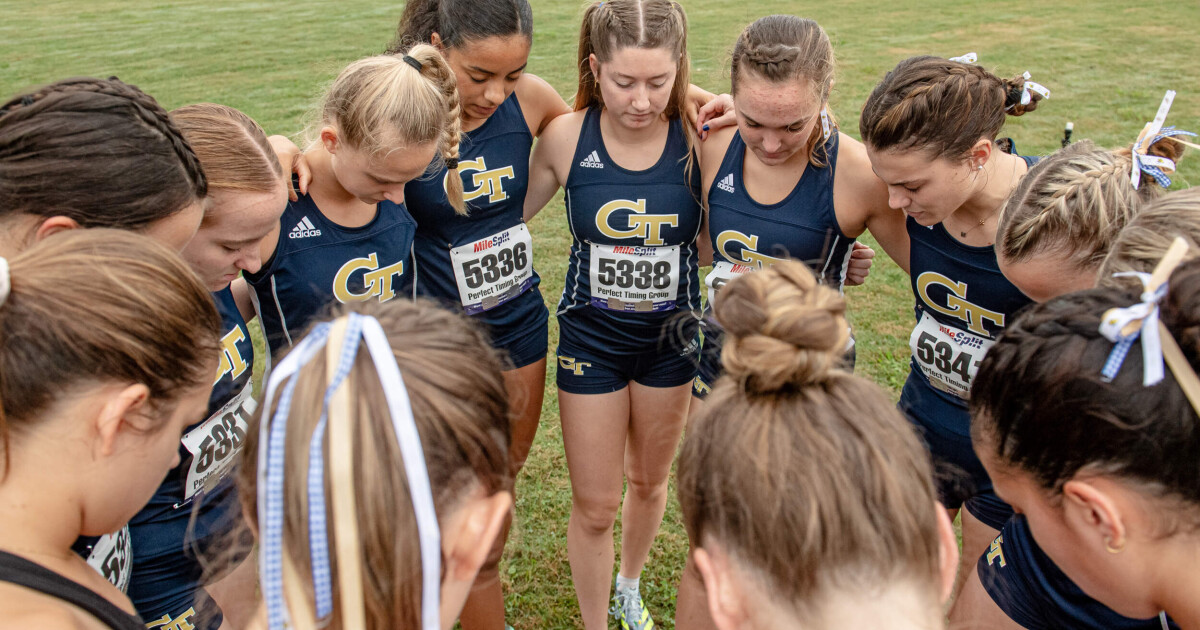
(1040, 404)
(1076, 201)
(102, 304)
(454, 383)
(458, 21)
(783, 48)
(805, 473)
(98, 151)
(940, 106)
(612, 25)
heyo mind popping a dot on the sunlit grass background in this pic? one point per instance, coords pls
(1107, 64)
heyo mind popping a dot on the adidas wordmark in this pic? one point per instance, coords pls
(304, 229)
(592, 161)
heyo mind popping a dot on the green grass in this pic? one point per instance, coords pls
(1106, 62)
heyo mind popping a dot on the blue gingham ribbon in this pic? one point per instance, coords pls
(967, 58)
(1154, 131)
(1145, 315)
(1028, 89)
(318, 538)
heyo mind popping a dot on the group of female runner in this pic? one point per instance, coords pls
(369, 484)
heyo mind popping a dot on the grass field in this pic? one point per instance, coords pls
(1107, 64)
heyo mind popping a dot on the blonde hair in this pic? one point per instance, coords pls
(1076, 201)
(1141, 245)
(454, 383)
(802, 472)
(379, 100)
(141, 316)
(232, 148)
(782, 48)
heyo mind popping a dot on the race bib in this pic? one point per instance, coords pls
(948, 356)
(111, 555)
(634, 279)
(722, 272)
(215, 444)
(493, 270)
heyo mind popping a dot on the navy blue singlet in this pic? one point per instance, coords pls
(633, 264)
(318, 261)
(962, 303)
(483, 262)
(165, 574)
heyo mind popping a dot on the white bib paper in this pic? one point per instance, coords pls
(948, 356)
(493, 270)
(111, 558)
(215, 443)
(722, 272)
(634, 278)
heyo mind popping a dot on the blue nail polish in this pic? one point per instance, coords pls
(706, 127)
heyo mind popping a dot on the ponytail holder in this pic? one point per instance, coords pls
(412, 61)
(451, 164)
(1026, 90)
(826, 127)
(5, 281)
(1154, 131)
(967, 58)
(27, 100)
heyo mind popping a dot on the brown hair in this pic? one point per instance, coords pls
(232, 147)
(1076, 201)
(1141, 245)
(380, 100)
(782, 48)
(454, 383)
(459, 21)
(141, 316)
(98, 151)
(942, 106)
(611, 25)
(803, 472)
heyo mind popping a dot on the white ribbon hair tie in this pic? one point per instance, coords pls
(1028, 89)
(967, 58)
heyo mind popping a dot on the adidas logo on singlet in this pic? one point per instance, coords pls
(726, 184)
(592, 161)
(304, 229)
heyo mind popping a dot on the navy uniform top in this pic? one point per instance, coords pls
(209, 448)
(963, 302)
(633, 261)
(483, 262)
(748, 235)
(318, 261)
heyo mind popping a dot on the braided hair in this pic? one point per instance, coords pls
(98, 151)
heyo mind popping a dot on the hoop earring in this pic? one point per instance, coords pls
(1110, 549)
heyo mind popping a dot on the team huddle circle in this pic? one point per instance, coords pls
(304, 373)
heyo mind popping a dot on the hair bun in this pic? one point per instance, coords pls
(768, 54)
(1014, 91)
(783, 329)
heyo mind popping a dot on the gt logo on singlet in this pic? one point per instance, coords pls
(699, 386)
(995, 552)
(182, 622)
(232, 360)
(486, 182)
(956, 302)
(747, 255)
(575, 367)
(376, 282)
(648, 228)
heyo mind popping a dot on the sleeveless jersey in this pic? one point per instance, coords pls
(482, 262)
(209, 448)
(962, 303)
(633, 260)
(748, 235)
(318, 261)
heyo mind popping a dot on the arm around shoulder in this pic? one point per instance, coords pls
(551, 161)
(540, 102)
(861, 202)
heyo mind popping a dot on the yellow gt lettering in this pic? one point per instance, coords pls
(996, 552)
(956, 303)
(747, 256)
(376, 282)
(231, 358)
(179, 623)
(649, 228)
(700, 387)
(576, 367)
(489, 183)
